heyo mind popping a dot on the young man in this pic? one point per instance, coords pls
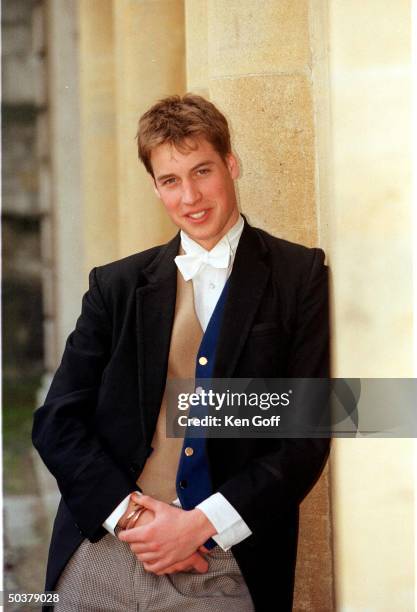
(216, 525)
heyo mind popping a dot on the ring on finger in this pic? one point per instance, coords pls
(135, 515)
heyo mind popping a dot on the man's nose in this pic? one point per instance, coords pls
(190, 193)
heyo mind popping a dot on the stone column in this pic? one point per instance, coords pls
(197, 47)
(149, 64)
(370, 250)
(264, 66)
(63, 106)
(98, 133)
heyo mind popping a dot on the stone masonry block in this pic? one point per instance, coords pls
(18, 80)
(196, 44)
(248, 36)
(16, 39)
(13, 11)
(370, 35)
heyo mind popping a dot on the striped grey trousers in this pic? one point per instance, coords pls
(107, 576)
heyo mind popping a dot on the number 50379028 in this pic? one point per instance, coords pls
(34, 598)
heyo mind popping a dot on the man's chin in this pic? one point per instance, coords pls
(199, 232)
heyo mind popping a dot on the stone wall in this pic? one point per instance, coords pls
(370, 245)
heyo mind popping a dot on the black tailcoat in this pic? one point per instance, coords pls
(95, 429)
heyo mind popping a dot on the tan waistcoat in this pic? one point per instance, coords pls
(158, 476)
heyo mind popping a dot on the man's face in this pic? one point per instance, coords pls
(196, 187)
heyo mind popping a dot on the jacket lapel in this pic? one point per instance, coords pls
(246, 287)
(155, 308)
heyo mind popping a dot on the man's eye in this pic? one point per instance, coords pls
(169, 181)
(203, 171)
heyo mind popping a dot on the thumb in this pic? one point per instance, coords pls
(146, 501)
(200, 564)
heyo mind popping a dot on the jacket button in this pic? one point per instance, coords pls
(203, 361)
(183, 484)
(189, 451)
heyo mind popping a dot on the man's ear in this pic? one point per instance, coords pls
(232, 165)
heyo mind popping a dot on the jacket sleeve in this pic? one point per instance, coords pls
(278, 480)
(90, 482)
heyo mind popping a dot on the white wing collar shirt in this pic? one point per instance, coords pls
(209, 271)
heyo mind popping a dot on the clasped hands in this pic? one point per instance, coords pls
(164, 538)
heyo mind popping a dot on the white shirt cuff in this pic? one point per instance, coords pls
(112, 520)
(231, 528)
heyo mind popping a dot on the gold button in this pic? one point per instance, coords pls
(203, 360)
(189, 451)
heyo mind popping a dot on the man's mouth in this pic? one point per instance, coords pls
(198, 215)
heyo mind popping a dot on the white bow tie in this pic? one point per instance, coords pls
(190, 264)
